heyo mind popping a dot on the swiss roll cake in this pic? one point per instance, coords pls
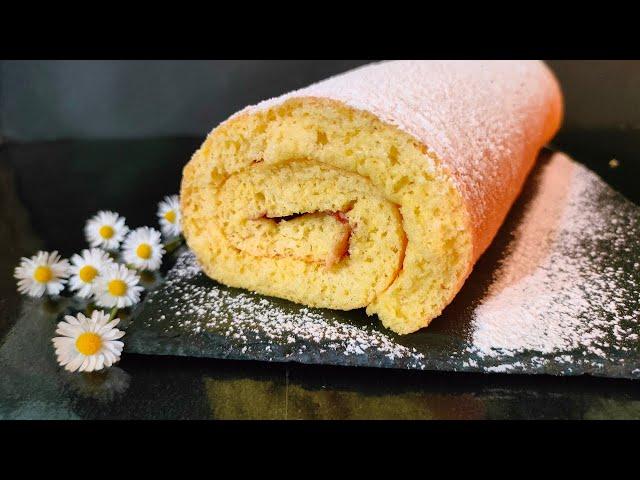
(378, 188)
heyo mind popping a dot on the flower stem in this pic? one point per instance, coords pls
(113, 313)
(171, 245)
(89, 308)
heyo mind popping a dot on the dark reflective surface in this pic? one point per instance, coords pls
(48, 190)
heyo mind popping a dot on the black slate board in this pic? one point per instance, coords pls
(584, 279)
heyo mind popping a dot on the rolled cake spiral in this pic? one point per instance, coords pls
(378, 188)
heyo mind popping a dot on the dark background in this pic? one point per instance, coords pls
(132, 99)
(80, 136)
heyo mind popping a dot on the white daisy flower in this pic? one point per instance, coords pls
(88, 344)
(106, 230)
(44, 272)
(117, 286)
(169, 215)
(143, 249)
(85, 268)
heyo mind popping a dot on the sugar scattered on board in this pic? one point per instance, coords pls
(564, 282)
(258, 322)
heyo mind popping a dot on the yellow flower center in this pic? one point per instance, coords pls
(106, 232)
(144, 251)
(88, 343)
(42, 274)
(170, 216)
(87, 273)
(117, 288)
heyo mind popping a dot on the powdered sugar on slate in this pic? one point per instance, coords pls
(258, 322)
(569, 280)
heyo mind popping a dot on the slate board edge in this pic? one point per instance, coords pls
(142, 342)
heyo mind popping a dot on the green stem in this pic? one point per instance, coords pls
(171, 245)
(89, 308)
(114, 312)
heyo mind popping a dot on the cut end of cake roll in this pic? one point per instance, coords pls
(324, 205)
(378, 188)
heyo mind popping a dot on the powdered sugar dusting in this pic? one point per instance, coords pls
(485, 120)
(569, 280)
(262, 325)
